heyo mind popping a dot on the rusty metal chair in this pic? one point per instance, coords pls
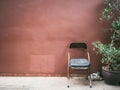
(78, 65)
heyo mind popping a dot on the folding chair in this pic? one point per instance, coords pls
(80, 63)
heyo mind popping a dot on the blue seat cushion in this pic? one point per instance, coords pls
(79, 62)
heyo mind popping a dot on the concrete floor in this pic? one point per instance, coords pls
(51, 83)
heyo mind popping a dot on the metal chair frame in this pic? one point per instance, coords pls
(84, 46)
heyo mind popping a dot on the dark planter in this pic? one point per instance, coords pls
(111, 77)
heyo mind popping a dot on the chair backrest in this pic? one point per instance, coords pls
(78, 45)
(78, 50)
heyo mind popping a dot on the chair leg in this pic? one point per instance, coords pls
(68, 77)
(90, 80)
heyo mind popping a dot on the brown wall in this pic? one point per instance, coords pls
(34, 34)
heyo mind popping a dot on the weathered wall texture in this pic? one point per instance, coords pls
(34, 34)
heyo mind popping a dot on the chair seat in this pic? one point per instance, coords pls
(79, 62)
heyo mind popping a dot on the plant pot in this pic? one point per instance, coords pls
(111, 77)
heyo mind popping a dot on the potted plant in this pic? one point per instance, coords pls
(110, 52)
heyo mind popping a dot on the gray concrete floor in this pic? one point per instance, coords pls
(51, 83)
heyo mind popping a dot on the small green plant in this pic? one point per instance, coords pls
(110, 55)
(111, 52)
(116, 27)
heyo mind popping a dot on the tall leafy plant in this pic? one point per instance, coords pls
(111, 52)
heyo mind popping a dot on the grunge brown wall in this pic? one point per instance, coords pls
(34, 34)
